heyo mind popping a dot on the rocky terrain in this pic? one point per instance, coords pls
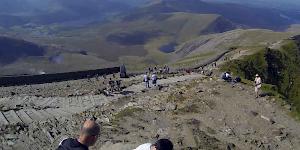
(193, 110)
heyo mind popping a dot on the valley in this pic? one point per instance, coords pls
(192, 106)
(141, 34)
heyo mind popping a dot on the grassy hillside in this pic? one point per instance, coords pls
(141, 37)
(203, 48)
(280, 68)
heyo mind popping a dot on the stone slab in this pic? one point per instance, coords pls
(34, 115)
(3, 120)
(45, 113)
(24, 117)
(12, 117)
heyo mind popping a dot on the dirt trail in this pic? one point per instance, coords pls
(223, 114)
(194, 111)
(26, 109)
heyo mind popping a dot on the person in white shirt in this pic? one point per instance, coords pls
(146, 146)
(154, 79)
(162, 144)
(146, 80)
(257, 83)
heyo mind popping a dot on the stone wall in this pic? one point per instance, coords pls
(49, 78)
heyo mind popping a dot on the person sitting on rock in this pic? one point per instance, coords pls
(111, 85)
(162, 144)
(226, 76)
(88, 136)
(118, 82)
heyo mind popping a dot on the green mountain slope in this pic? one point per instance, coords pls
(279, 68)
(140, 37)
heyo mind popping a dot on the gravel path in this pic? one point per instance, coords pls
(26, 109)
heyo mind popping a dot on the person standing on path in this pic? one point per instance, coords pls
(146, 80)
(154, 79)
(257, 83)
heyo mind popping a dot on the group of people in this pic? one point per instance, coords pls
(164, 70)
(151, 75)
(226, 76)
(113, 83)
(89, 134)
(147, 78)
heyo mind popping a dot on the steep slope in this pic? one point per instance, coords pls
(203, 48)
(23, 57)
(183, 26)
(13, 49)
(278, 67)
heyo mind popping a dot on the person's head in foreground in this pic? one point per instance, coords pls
(162, 144)
(88, 136)
(89, 133)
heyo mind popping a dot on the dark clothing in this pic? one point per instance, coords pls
(238, 79)
(111, 83)
(71, 144)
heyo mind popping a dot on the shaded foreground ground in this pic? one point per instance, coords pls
(194, 111)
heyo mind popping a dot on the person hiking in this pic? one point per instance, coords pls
(118, 82)
(88, 136)
(111, 85)
(146, 80)
(162, 144)
(154, 79)
(257, 84)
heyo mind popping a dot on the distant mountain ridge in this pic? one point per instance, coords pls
(279, 4)
(250, 17)
(20, 12)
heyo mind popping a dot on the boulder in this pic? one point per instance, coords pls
(10, 136)
(268, 119)
(288, 107)
(277, 132)
(171, 106)
(231, 146)
(158, 108)
(253, 113)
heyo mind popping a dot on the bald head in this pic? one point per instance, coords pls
(89, 132)
(90, 128)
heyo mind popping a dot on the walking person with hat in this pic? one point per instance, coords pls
(257, 83)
